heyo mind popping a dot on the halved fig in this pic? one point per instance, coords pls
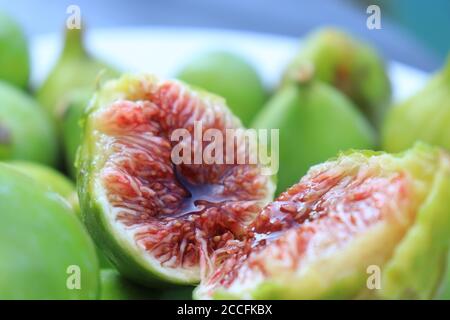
(157, 221)
(347, 218)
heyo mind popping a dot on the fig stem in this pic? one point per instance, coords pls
(73, 43)
(303, 74)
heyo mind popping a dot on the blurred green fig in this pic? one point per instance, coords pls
(353, 67)
(49, 177)
(116, 287)
(315, 122)
(71, 129)
(425, 116)
(229, 76)
(14, 56)
(55, 182)
(363, 225)
(45, 252)
(26, 131)
(74, 70)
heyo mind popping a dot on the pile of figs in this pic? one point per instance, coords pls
(94, 204)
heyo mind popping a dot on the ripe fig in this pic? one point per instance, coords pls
(230, 76)
(26, 132)
(425, 116)
(365, 225)
(353, 67)
(45, 252)
(14, 57)
(75, 70)
(116, 287)
(316, 122)
(155, 218)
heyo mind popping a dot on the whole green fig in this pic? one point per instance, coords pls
(363, 225)
(353, 67)
(425, 116)
(26, 131)
(315, 122)
(230, 76)
(74, 70)
(45, 252)
(14, 57)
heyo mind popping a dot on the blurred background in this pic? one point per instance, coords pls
(414, 32)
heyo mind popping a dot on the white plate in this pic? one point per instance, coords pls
(162, 50)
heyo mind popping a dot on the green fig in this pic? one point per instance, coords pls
(74, 70)
(14, 56)
(50, 178)
(26, 131)
(315, 122)
(116, 287)
(57, 183)
(444, 290)
(425, 116)
(71, 129)
(155, 217)
(363, 225)
(230, 76)
(45, 252)
(353, 67)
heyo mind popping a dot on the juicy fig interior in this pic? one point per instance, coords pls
(178, 214)
(331, 206)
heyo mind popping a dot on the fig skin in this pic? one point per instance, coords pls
(116, 287)
(41, 238)
(425, 116)
(74, 70)
(26, 131)
(49, 177)
(411, 268)
(130, 261)
(316, 122)
(229, 76)
(14, 57)
(351, 66)
(71, 130)
(58, 183)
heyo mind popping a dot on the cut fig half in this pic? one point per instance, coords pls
(348, 221)
(156, 219)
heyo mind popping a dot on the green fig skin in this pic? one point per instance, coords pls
(230, 77)
(71, 130)
(116, 287)
(41, 241)
(315, 122)
(351, 66)
(444, 290)
(26, 131)
(411, 267)
(54, 180)
(425, 116)
(14, 56)
(75, 70)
